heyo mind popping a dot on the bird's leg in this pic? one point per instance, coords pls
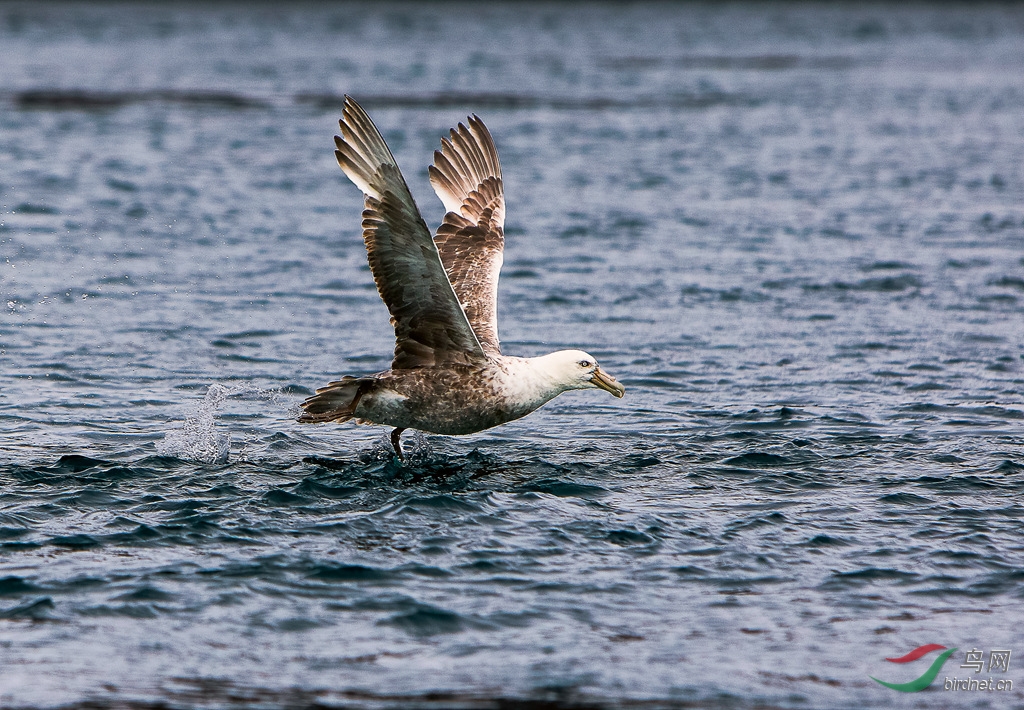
(395, 436)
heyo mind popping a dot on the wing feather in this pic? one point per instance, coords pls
(431, 327)
(466, 175)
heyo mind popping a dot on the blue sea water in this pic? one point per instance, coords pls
(795, 232)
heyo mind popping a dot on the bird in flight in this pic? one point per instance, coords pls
(448, 375)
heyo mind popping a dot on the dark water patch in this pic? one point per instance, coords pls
(887, 284)
(296, 624)
(1009, 282)
(521, 274)
(927, 387)
(38, 610)
(1011, 512)
(350, 573)
(141, 535)
(758, 459)
(269, 567)
(440, 503)
(160, 464)
(30, 208)
(514, 620)
(181, 507)
(691, 572)
(1008, 467)
(75, 542)
(757, 429)
(965, 422)
(81, 583)
(429, 470)
(991, 224)
(16, 586)
(994, 411)
(279, 497)
(738, 585)
(904, 499)
(427, 620)
(636, 462)
(792, 481)
(562, 488)
(653, 382)
(966, 484)
(56, 377)
(76, 470)
(490, 563)
(523, 101)
(311, 488)
(967, 263)
(760, 62)
(86, 100)
(251, 359)
(131, 611)
(727, 473)
(756, 522)
(887, 266)
(428, 571)
(948, 591)
(823, 540)
(866, 577)
(215, 692)
(145, 594)
(251, 335)
(1006, 582)
(91, 498)
(979, 338)
(627, 538)
(75, 463)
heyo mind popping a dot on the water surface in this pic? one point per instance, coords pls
(795, 233)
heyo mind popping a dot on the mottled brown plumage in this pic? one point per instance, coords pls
(448, 375)
(466, 175)
(430, 326)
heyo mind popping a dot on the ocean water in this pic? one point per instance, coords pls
(794, 232)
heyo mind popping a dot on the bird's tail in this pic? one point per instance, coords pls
(336, 402)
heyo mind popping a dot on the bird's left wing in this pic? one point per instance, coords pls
(467, 177)
(431, 327)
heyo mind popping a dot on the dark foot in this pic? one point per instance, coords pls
(395, 436)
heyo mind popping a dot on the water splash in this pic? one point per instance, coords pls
(415, 445)
(198, 439)
(421, 449)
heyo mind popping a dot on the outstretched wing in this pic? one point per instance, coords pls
(430, 325)
(467, 177)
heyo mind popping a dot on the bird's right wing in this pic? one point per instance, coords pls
(431, 327)
(467, 177)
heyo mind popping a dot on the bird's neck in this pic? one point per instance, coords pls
(533, 379)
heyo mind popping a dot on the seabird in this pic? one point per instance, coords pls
(448, 375)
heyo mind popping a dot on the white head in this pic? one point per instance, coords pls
(577, 370)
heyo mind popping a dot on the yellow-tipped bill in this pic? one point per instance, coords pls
(608, 383)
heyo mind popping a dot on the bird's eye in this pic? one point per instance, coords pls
(585, 363)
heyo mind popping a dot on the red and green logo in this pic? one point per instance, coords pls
(925, 678)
